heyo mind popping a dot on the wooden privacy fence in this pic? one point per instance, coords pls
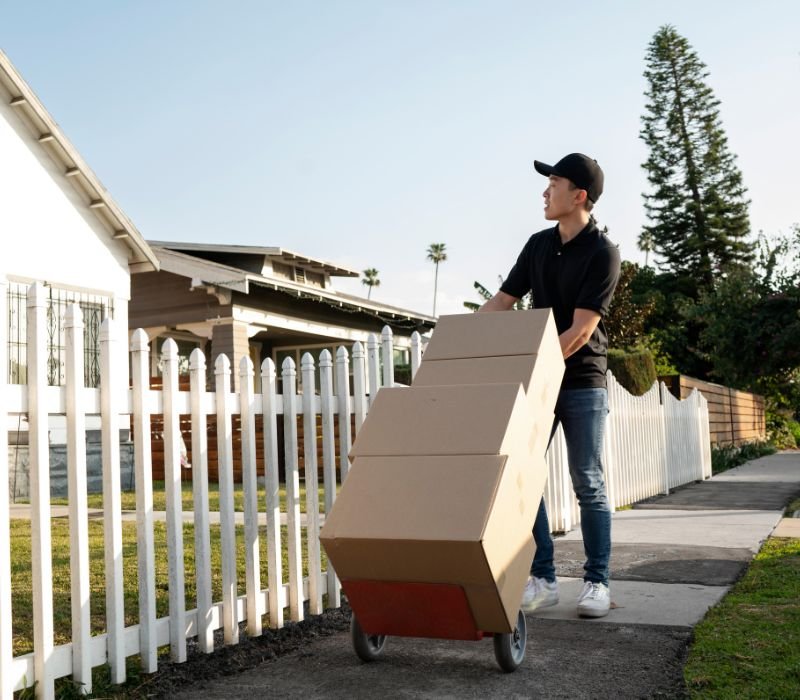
(638, 465)
(735, 417)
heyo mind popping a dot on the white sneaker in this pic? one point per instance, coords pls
(539, 593)
(594, 600)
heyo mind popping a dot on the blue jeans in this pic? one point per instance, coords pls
(582, 414)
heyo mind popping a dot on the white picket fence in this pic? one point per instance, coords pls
(653, 444)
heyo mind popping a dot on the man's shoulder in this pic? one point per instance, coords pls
(601, 240)
(543, 236)
(606, 252)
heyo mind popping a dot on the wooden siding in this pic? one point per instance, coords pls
(165, 299)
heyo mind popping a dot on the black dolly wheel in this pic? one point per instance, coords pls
(368, 647)
(509, 649)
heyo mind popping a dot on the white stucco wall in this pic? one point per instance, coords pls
(48, 232)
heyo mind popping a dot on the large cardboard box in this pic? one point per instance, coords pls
(463, 520)
(492, 334)
(539, 375)
(489, 419)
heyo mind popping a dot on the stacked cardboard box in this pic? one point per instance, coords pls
(431, 534)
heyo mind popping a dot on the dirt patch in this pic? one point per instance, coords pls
(234, 659)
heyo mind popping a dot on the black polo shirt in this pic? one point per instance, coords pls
(583, 274)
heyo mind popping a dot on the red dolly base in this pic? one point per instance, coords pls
(433, 610)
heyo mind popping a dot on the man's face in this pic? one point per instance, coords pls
(560, 198)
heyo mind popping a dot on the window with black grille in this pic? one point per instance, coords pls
(95, 309)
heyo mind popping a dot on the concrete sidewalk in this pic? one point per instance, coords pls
(673, 557)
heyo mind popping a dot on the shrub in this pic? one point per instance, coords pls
(782, 431)
(724, 457)
(794, 428)
(402, 374)
(634, 369)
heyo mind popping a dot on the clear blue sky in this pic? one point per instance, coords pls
(361, 131)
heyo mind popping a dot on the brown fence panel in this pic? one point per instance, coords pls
(735, 417)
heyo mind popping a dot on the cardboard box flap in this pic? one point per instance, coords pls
(492, 334)
(446, 420)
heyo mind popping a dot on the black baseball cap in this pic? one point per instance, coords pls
(582, 171)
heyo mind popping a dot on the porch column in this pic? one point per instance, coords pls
(232, 339)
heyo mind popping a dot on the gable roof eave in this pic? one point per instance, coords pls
(46, 130)
(283, 254)
(205, 272)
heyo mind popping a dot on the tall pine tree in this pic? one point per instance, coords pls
(697, 209)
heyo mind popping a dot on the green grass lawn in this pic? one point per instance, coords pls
(748, 646)
(95, 500)
(21, 591)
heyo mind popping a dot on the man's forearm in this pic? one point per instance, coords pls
(584, 321)
(572, 340)
(499, 302)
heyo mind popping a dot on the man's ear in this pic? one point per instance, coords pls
(581, 196)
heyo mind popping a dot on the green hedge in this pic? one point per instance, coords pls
(634, 369)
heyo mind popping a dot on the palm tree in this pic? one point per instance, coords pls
(436, 254)
(370, 279)
(646, 244)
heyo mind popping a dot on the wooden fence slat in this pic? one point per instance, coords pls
(272, 488)
(202, 527)
(174, 503)
(145, 546)
(252, 557)
(416, 353)
(312, 486)
(110, 375)
(387, 352)
(327, 403)
(373, 367)
(359, 388)
(80, 588)
(6, 636)
(613, 438)
(227, 524)
(39, 465)
(292, 479)
(343, 404)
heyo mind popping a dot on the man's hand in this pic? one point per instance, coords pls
(584, 321)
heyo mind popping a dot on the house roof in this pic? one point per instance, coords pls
(285, 255)
(206, 273)
(64, 154)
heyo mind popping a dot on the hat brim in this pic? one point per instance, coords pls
(543, 168)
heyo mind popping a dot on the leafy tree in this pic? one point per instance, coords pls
(485, 294)
(370, 278)
(751, 323)
(697, 207)
(671, 336)
(627, 317)
(436, 254)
